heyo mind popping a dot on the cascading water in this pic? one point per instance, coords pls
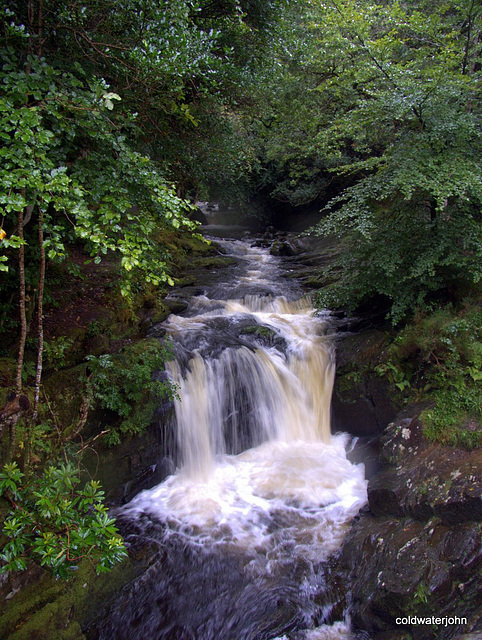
(263, 494)
(251, 394)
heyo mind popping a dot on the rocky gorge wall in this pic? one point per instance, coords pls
(415, 550)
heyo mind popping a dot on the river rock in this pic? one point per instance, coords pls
(416, 549)
(424, 480)
(198, 216)
(287, 247)
(362, 404)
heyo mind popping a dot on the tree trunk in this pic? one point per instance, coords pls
(41, 286)
(22, 305)
(23, 325)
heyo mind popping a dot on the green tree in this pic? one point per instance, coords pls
(375, 111)
(58, 129)
(102, 108)
(409, 134)
(56, 133)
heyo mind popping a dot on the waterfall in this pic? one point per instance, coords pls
(263, 494)
(248, 396)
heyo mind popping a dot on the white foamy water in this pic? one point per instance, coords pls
(285, 393)
(300, 493)
(295, 488)
(337, 631)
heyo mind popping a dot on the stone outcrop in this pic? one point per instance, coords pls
(416, 549)
(361, 402)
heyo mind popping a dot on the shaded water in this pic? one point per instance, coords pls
(240, 535)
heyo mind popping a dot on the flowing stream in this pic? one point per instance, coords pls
(239, 536)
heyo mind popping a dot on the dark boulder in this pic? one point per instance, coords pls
(288, 247)
(198, 216)
(417, 550)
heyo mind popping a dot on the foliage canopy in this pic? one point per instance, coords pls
(110, 115)
(377, 112)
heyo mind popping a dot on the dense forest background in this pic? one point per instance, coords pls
(115, 118)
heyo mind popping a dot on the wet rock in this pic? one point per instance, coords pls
(401, 568)
(365, 450)
(417, 550)
(198, 216)
(362, 409)
(134, 464)
(259, 335)
(287, 247)
(424, 479)
(176, 305)
(362, 404)
(148, 477)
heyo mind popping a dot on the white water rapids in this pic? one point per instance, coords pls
(259, 473)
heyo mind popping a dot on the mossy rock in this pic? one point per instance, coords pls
(362, 351)
(259, 330)
(194, 245)
(65, 390)
(176, 305)
(363, 402)
(42, 608)
(96, 345)
(217, 262)
(135, 348)
(161, 314)
(186, 281)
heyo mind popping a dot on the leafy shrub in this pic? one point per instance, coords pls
(55, 352)
(441, 354)
(125, 383)
(409, 261)
(444, 338)
(56, 525)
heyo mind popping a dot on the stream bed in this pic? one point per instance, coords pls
(239, 537)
